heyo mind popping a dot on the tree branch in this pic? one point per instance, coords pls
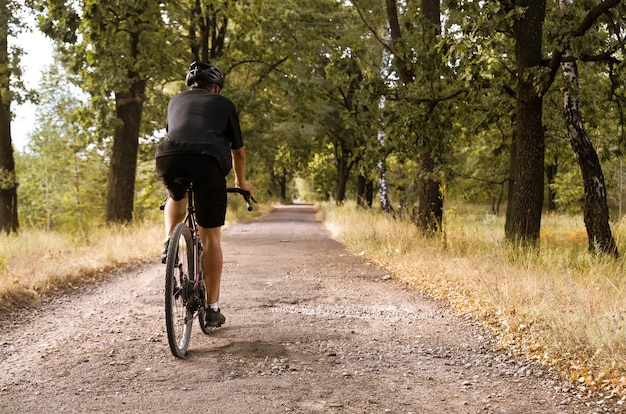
(587, 22)
(593, 15)
(380, 40)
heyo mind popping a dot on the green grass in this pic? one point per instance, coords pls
(557, 304)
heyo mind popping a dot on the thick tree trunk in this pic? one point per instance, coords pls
(8, 179)
(430, 209)
(364, 192)
(123, 167)
(360, 191)
(527, 174)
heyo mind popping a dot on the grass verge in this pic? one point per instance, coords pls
(35, 264)
(557, 305)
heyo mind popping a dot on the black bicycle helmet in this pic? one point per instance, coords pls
(202, 74)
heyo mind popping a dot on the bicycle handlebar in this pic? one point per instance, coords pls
(245, 194)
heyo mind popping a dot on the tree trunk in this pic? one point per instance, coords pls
(364, 192)
(212, 25)
(383, 189)
(123, 167)
(551, 171)
(385, 205)
(512, 167)
(526, 201)
(596, 211)
(430, 209)
(282, 181)
(360, 191)
(343, 171)
(8, 179)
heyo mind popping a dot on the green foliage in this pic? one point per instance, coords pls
(306, 79)
(320, 176)
(569, 191)
(63, 178)
(404, 174)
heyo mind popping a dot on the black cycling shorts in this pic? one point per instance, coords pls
(209, 188)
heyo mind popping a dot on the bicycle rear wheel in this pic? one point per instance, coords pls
(178, 285)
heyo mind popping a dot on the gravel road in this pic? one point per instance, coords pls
(310, 328)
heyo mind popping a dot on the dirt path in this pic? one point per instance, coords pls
(310, 328)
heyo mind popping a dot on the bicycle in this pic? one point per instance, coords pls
(184, 279)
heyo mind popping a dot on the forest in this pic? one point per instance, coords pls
(516, 105)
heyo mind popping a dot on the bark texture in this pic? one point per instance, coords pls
(527, 173)
(8, 179)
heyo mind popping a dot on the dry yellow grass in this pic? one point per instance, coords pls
(557, 305)
(36, 263)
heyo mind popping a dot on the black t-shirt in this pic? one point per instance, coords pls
(201, 122)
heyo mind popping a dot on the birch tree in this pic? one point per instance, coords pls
(596, 209)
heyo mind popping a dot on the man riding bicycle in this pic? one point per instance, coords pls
(203, 142)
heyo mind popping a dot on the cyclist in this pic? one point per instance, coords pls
(204, 142)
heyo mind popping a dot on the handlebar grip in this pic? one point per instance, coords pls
(247, 197)
(245, 194)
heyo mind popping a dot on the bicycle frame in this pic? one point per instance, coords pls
(185, 300)
(195, 235)
(190, 220)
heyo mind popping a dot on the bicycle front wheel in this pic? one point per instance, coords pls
(178, 285)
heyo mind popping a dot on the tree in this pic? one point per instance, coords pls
(418, 110)
(8, 178)
(291, 80)
(523, 218)
(63, 181)
(596, 210)
(534, 79)
(430, 208)
(117, 48)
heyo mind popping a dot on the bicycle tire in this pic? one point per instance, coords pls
(178, 276)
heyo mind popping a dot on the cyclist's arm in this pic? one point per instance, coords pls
(239, 166)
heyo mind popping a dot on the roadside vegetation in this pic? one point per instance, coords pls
(557, 304)
(36, 263)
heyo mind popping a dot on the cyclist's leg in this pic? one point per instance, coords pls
(210, 200)
(173, 214)
(170, 168)
(212, 262)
